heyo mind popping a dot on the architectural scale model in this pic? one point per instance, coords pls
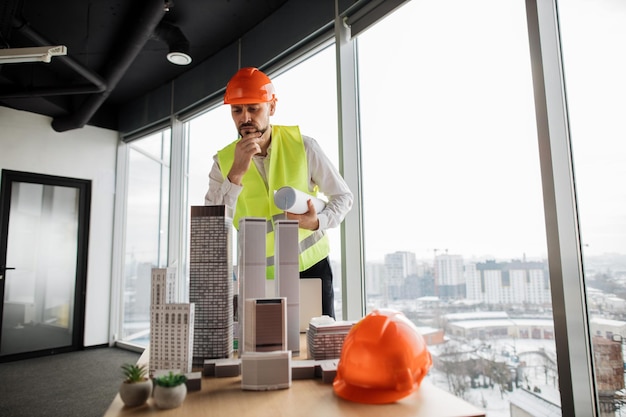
(266, 327)
(171, 325)
(252, 267)
(264, 371)
(325, 337)
(287, 277)
(211, 282)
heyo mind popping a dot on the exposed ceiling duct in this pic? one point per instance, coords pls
(113, 73)
(97, 83)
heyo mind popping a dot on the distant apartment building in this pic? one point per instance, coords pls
(171, 325)
(449, 277)
(375, 278)
(607, 328)
(497, 324)
(510, 283)
(599, 301)
(398, 266)
(609, 365)
(400, 276)
(211, 282)
(609, 374)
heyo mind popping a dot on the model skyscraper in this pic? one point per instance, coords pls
(171, 325)
(251, 266)
(288, 278)
(211, 282)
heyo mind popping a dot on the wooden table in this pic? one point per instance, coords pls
(310, 397)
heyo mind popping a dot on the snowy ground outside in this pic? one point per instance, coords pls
(537, 374)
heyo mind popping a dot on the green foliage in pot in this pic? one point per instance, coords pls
(134, 373)
(136, 387)
(170, 380)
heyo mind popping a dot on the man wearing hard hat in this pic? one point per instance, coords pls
(264, 159)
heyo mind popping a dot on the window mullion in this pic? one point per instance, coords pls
(353, 256)
(573, 344)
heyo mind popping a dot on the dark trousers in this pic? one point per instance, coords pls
(322, 270)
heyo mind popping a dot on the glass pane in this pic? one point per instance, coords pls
(157, 145)
(147, 214)
(453, 214)
(300, 102)
(593, 37)
(42, 247)
(307, 97)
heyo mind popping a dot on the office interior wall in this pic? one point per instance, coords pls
(29, 144)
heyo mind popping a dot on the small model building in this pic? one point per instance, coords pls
(266, 324)
(171, 325)
(325, 337)
(264, 371)
(211, 282)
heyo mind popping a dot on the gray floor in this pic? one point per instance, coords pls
(80, 384)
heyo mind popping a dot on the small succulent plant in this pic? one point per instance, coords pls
(134, 373)
(170, 380)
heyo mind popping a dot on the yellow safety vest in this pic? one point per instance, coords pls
(288, 167)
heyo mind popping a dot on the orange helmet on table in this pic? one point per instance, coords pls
(384, 359)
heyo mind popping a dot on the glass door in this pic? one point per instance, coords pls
(43, 251)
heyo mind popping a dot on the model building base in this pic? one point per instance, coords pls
(222, 368)
(327, 370)
(264, 371)
(301, 369)
(194, 381)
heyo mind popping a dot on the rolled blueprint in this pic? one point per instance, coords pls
(294, 201)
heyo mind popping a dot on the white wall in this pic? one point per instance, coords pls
(28, 143)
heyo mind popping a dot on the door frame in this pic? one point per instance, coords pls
(7, 178)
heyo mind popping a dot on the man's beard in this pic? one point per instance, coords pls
(251, 127)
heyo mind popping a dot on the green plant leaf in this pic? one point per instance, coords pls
(170, 380)
(134, 373)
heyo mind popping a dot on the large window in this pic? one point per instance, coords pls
(146, 231)
(456, 170)
(593, 36)
(453, 214)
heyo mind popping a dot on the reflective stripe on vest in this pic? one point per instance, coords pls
(288, 167)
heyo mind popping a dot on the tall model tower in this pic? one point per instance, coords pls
(171, 325)
(211, 282)
(252, 268)
(288, 278)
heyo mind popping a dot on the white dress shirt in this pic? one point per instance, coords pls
(321, 173)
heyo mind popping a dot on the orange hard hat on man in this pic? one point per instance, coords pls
(383, 359)
(249, 86)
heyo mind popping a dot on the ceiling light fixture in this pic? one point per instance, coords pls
(177, 42)
(36, 54)
(179, 58)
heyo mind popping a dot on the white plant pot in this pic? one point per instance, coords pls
(169, 397)
(134, 394)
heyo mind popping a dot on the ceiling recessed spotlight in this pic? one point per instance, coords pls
(179, 58)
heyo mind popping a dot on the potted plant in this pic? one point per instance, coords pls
(136, 387)
(170, 390)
